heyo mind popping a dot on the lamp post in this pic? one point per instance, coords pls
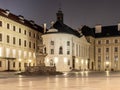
(107, 65)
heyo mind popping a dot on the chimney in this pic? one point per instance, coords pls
(44, 27)
(98, 28)
(52, 23)
(118, 26)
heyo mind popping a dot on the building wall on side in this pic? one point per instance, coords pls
(17, 44)
(107, 53)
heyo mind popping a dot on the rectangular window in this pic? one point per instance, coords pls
(107, 41)
(0, 23)
(30, 34)
(52, 42)
(99, 50)
(8, 38)
(116, 49)
(52, 51)
(19, 42)
(19, 30)
(25, 64)
(116, 41)
(99, 42)
(14, 28)
(24, 43)
(107, 49)
(34, 35)
(13, 40)
(29, 44)
(13, 64)
(8, 26)
(0, 63)
(0, 37)
(33, 45)
(68, 52)
(25, 32)
(99, 58)
(68, 43)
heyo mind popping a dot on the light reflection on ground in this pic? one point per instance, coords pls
(84, 80)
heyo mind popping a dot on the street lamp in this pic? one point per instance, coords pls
(107, 65)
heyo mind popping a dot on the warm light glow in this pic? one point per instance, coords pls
(19, 60)
(47, 60)
(30, 61)
(7, 52)
(14, 53)
(19, 53)
(25, 54)
(86, 61)
(56, 59)
(34, 55)
(0, 51)
(76, 60)
(107, 62)
(65, 60)
(30, 54)
(82, 61)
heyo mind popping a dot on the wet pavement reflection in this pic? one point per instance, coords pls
(83, 80)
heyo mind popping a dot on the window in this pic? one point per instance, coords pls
(52, 51)
(107, 58)
(51, 62)
(116, 49)
(13, 64)
(19, 30)
(33, 45)
(99, 50)
(29, 44)
(34, 35)
(25, 32)
(68, 43)
(116, 41)
(8, 38)
(107, 41)
(24, 43)
(13, 40)
(60, 50)
(0, 23)
(107, 49)
(30, 34)
(68, 52)
(0, 63)
(99, 58)
(19, 64)
(116, 58)
(99, 42)
(19, 42)
(0, 36)
(68, 62)
(25, 64)
(52, 42)
(8, 26)
(14, 28)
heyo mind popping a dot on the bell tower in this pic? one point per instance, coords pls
(59, 16)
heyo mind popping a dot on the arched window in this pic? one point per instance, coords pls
(60, 50)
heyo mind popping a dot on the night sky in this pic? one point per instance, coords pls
(76, 12)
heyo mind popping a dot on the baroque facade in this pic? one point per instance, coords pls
(67, 48)
(18, 41)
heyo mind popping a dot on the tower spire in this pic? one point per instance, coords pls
(59, 15)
